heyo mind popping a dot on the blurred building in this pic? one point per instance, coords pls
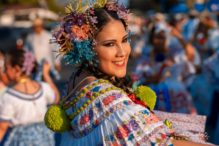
(18, 16)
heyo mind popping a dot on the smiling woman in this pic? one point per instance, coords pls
(100, 108)
(113, 49)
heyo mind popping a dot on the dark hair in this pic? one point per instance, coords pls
(2, 51)
(103, 17)
(17, 58)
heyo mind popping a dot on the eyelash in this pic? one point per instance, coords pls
(125, 40)
(109, 44)
(112, 44)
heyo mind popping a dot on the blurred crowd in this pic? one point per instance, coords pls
(27, 75)
(177, 55)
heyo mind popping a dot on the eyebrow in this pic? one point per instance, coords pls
(113, 40)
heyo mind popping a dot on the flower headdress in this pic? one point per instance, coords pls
(29, 63)
(75, 34)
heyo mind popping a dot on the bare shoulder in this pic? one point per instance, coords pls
(82, 80)
(85, 81)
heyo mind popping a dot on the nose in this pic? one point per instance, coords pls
(120, 51)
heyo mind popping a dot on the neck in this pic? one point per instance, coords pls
(2, 85)
(22, 79)
(38, 32)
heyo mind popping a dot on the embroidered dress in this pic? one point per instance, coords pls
(25, 113)
(102, 114)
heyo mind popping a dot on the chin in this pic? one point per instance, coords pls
(120, 75)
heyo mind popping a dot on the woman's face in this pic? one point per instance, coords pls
(113, 49)
(11, 72)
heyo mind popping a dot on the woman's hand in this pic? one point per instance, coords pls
(189, 49)
(46, 68)
(3, 129)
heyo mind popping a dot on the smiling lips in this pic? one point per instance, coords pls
(119, 63)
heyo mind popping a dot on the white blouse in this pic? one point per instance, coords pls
(19, 108)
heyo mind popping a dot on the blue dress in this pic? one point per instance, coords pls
(36, 134)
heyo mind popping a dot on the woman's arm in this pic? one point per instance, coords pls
(3, 129)
(189, 49)
(186, 143)
(48, 79)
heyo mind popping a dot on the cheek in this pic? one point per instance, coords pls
(10, 73)
(106, 57)
(128, 50)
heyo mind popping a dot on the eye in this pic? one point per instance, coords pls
(111, 44)
(125, 40)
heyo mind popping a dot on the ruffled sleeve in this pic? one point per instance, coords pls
(7, 108)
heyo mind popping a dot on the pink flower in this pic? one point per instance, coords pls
(91, 11)
(85, 119)
(28, 64)
(122, 14)
(93, 19)
(108, 100)
(81, 32)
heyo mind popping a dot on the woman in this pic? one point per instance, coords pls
(98, 105)
(24, 103)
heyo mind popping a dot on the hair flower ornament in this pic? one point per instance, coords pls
(77, 30)
(29, 63)
(81, 32)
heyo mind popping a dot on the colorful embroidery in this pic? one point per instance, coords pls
(93, 123)
(110, 103)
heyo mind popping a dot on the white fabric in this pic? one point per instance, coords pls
(21, 109)
(41, 47)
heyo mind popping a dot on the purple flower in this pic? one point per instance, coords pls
(122, 14)
(28, 64)
(93, 19)
(133, 125)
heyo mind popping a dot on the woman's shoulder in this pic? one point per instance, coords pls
(96, 85)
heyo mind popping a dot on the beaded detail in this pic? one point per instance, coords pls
(83, 92)
(93, 97)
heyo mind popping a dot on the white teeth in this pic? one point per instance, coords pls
(119, 62)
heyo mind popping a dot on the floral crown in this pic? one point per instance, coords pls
(77, 29)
